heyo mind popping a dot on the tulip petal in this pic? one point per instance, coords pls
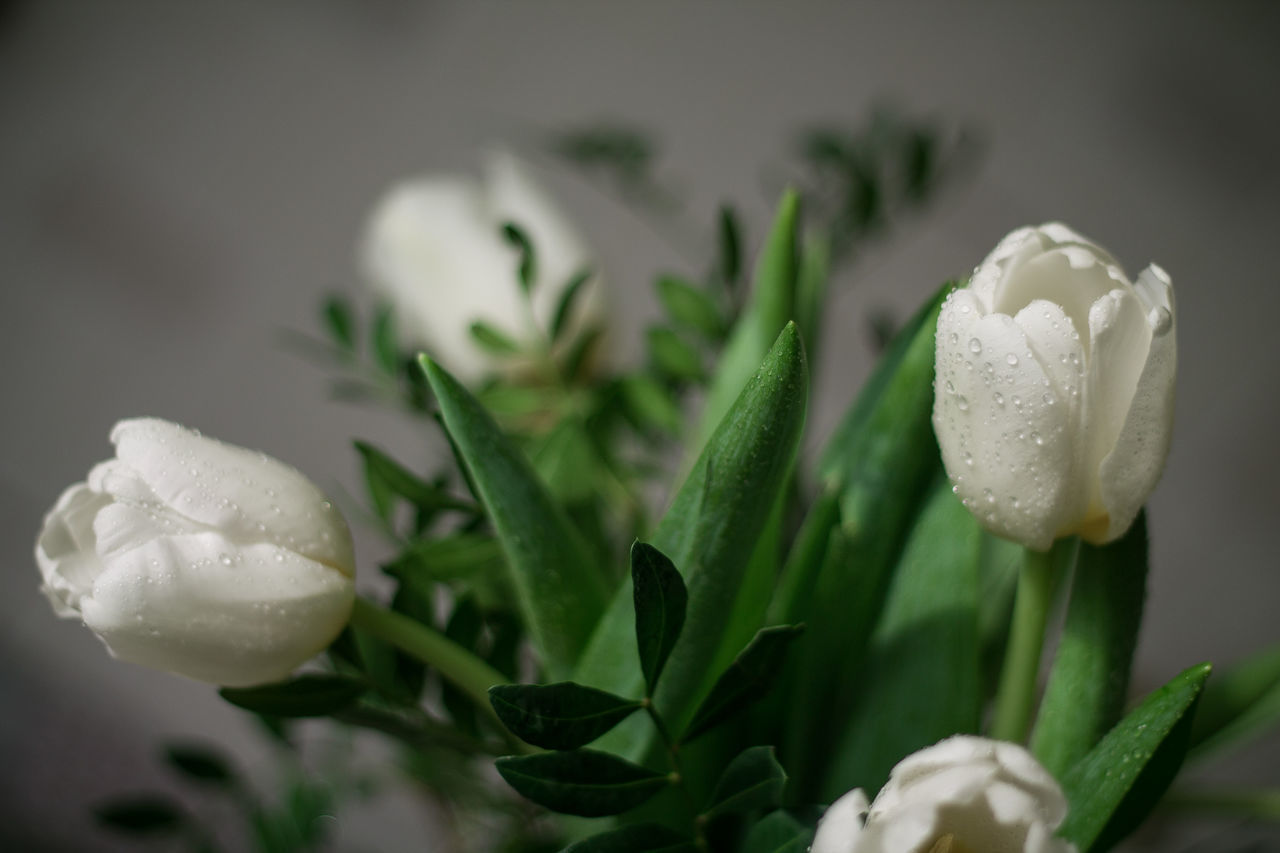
(204, 607)
(1043, 277)
(1018, 765)
(65, 549)
(1131, 469)
(250, 497)
(1009, 454)
(842, 824)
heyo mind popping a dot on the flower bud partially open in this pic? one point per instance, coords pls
(1054, 388)
(965, 794)
(200, 558)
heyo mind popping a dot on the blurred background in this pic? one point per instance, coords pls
(182, 181)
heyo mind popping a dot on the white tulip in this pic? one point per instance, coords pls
(963, 795)
(1054, 388)
(433, 248)
(200, 558)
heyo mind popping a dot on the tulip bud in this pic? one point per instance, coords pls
(200, 558)
(963, 794)
(434, 249)
(1054, 388)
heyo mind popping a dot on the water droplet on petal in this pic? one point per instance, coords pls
(975, 346)
(1011, 359)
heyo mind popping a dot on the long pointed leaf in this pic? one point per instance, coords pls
(1241, 703)
(559, 591)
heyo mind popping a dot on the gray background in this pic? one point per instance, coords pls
(181, 180)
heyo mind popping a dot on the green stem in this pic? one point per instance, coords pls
(455, 664)
(1260, 804)
(1016, 696)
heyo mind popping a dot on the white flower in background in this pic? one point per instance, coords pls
(1054, 388)
(433, 248)
(200, 558)
(963, 795)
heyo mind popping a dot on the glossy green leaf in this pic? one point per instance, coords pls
(304, 696)
(527, 272)
(201, 764)
(493, 340)
(1118, 782)
(771, 307)
(691, 307)
(140, 815)
(780, 832)
(709, 533)
(559, 716)
(1239, 704)
(753, 782)
(922, 680)
(1089, 681)
(340, 321)
(559, 591)
(746, 680)
(636, 838)
(386, 349)
(582, 782)
(660, 603)
(672, 356)
(564, 305)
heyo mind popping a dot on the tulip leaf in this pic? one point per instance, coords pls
(1239, 704)
(339, 319)
(564, 305)
(559, 716)
(691, 307)
(144, 814)
(660, 603)
(492, 340)
(746, 680)
(752, 782)
(559, 591)
(304, 696)
(1118, 782)
(729, 233)
(201, 764)
(709, 533)
(923, 680)
(771, 307)
(780, 832)
(527, 272)
(582, 782)
(386, 349)
(811, 289)
(671, 356)
(636, 838)
(1089, 681)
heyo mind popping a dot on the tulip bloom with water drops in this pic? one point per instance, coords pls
(200, 558)
(1054, 388)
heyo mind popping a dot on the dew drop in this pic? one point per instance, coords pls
(1036, 437)
(975, 346)
(954, 338)
(1160, 320)
(999, 398)
(1011, 359)
(962, 404)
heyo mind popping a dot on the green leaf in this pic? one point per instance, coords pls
(780, 832)
(528, 270)
(463, 556)
(140, 815)
(201, 764)
(388, 479)
(730, 244)
(923, 675)
(752, 782)
(304, 696)
(771, 307)
(492, 340)
(339, 319)
(559, 716)
(567, 462)
(559, 591)
(636, 838)
(672, 356)
(1117, 783)
(564, 305)
(746, 680)
(691, 307)
(582, 782)
(660, 604)
(649, 405)
(1242, 703)
(464, 627)
(811, 289)
(386, 350)
(709, 533)
(1089, 681)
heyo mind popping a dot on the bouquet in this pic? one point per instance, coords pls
(628, 612)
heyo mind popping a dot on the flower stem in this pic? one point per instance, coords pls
(455, 664)
(1016, 696)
